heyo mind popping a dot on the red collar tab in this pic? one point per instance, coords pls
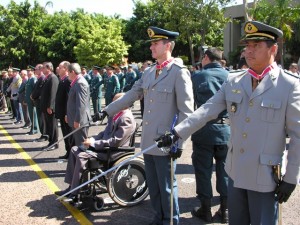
(74, 81)
(264, 73)
(164, 64)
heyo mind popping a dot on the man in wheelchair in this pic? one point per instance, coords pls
(118, 132)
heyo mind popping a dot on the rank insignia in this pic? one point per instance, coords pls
(236, 91)
(233, 107)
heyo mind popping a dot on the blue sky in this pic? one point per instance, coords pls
(106, 7)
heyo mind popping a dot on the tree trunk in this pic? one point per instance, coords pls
(191, 48)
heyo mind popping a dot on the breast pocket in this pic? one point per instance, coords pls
(234, 102)
(164, 93)
(270, 110)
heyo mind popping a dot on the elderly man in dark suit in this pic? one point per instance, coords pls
(48, 104)
(117, 132)
(78, 105)
(61, 105)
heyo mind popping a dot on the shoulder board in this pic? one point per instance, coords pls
(290, 74)
(178, 62)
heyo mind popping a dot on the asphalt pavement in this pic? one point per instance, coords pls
(29, 178)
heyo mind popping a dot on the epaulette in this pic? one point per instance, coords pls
(178, 62)
(289, 73)
(236, 73)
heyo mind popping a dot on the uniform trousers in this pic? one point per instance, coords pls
(25, 111)
(18, 110)
(96, 104)
(202, 158)
(80, 135)
(51, 127)
(39, 113)
(66, 129)
(247, 207)
(158, 176)
(33, 117)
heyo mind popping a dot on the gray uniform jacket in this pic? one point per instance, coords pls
(78, 105)
(259, 122)
(170, 94)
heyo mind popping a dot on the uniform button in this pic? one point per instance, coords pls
(151, 100)
(149, 111)
(153, 89)
(244, 135)
(247, 119)
(250, 103)
(270, 162)
(146, 123)
(242, 150)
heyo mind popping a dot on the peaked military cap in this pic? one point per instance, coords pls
(109, 67)
(30, 68)
(15, 69)
(83, 67)
(255, 30)
(96, 67)
(156, 34)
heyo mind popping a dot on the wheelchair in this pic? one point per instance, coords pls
(126, 185)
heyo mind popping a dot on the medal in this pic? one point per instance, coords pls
(233, 107)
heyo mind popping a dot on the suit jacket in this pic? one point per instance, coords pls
(116, 133)
(48, 93)
(259, 121)
(21, 92)
(62, 98)
(78, 105)
(38, 87)
(170, 94)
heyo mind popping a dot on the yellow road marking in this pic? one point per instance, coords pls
(79, 216)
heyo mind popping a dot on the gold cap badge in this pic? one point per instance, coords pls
(250, 28)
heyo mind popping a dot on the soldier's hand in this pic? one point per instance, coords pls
(284, 191)
(166, 140)
(176, 154)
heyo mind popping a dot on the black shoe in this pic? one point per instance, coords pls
(17, 122)
(42, 138)
(26, 127)
(71, 199)
(31, 133)
(52, 148)
(202, 213)
(60, 193)
(66, 156)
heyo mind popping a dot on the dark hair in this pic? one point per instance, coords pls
(214, 54)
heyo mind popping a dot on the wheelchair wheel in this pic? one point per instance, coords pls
(98, 203)
(127, 184)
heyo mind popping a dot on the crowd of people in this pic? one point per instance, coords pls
(237, 115)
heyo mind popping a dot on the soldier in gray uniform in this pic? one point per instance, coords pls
(167, 91)
(263, 103)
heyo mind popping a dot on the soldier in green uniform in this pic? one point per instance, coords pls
(96, 89)
(121, 77)
(86, 75)
(31, 109)
(112, 85)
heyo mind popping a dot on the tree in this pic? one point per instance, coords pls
(283, 15)
(19, 32)
(101, 42)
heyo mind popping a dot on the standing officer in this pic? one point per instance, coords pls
(96, 89)
(112, 85)
(167, 91)
(21, 99)
(48, 95)
(36, 98)
(61, 105)
(85, 74)
(31, 109)
(263, 105)
(210, 142)
(78, 105)
(130, 78)
(121, 77)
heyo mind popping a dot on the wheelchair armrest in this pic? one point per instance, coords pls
(120, 149)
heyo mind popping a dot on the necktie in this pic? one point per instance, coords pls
(255, 83)
(158, 71)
